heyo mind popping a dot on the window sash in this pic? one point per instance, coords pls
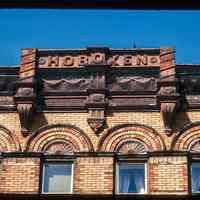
(195, 176)
(129, 164)
(46, 178)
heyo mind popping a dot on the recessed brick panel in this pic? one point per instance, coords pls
(168, 175)
(19, 175)
(94, 175)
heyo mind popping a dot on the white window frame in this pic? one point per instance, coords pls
(191, 181)
(145, 178)
(57, 163)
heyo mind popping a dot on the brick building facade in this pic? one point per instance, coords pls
(100, 123)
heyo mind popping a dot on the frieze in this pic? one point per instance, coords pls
(100, 77)
(134, 83)
(71, 59)
(132, 101)
(75, 84)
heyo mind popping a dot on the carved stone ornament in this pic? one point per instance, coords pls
(94, 99)
(96, 119)
(25, 111)
(60, 148)
(96, 124)
(25, 92)
(131, 147)
(167, 91)
(168, 110)
(195, 147)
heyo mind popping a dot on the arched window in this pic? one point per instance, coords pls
(58, 142)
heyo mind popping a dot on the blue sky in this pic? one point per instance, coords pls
(113, 28)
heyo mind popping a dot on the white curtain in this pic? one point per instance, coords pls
(57, 178)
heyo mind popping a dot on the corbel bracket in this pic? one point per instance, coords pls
(96, 105)
(168, 111)
(25, 111)
(25, 103)
(168, 99)
(96, 119)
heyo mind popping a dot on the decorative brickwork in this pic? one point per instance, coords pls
(168, 175)
(94, 175)
(72, 137)
(60, 148)
(188, 139)
(119, 135)
(8, 142)
(20, 175)
(98, 107)
(132, 146)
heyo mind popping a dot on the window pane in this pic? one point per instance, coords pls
(131, 178)
(196, 177)
(57, 178)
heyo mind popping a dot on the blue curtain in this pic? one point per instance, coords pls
(196, 177)
(131, 179)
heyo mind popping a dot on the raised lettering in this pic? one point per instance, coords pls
(114, 60)
(68, 61)
(53, 61)
(141, 60)
(128, 60)
(42, 60)
(154, 60)
(97, 58)
(83, 60)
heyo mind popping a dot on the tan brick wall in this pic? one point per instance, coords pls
(93, 175)
(19, 175)
(152, 119)
(168, 175)
(14, 176)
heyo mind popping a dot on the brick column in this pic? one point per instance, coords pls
(168, 92)
(25, 96)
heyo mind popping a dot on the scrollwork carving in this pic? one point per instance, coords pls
(25, 92)
(74, 84)
(133, 83)
(168, 91)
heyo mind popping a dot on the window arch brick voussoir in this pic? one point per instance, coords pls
(188, 139)
(8, 141)
(133, 133)
(57, 136)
